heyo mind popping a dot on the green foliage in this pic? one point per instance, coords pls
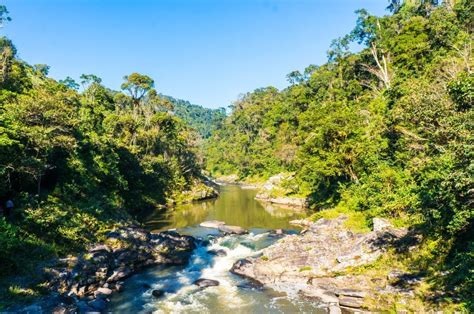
(203, 120)
(77, 164)
(387, 131)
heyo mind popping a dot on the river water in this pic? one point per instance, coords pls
(235, 206)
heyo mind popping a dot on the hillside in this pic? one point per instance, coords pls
(387, 131)
(204, 120)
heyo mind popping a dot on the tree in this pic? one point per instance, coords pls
(88, 79)
(4, 17)
(137, 85)
(7, 54)
(42, 69)
(69, 83)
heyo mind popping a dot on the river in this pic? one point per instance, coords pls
(235, 206)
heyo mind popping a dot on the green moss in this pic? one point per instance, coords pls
(356, 221)
(305, 268)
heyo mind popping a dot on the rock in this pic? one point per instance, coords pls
(233, 178)
(238, 266)
(212, 224)
(119, 274)
(204, 283)
(157, 293)
(232, 229)
(333, 309)
(320, 295)
(380, 224)
(217, 252)
(98, 304)
(351, 302)
(59, 310)
(351, 293)
(99, 248)
(308, 261)
(279, 231)
(119, 287)
(301, 222)
(102, 292)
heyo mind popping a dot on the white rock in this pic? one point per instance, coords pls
(212, 224)
(380, 224)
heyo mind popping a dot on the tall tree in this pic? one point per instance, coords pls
(137, 85)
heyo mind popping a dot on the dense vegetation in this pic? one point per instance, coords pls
(387, 131)
(77, 163)
(203, 120)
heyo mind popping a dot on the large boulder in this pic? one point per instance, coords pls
(204, 283)
(307, 262)
(232, 229)
(215, 224)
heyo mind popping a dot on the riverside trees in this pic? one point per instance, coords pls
(385, 131)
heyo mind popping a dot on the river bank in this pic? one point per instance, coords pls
(236, 254)
(84, 283)
(321, 264)
(271, 191)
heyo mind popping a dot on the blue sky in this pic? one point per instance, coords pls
(204, 51)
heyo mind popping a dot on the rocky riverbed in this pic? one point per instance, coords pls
(315, 263)
(84, 283)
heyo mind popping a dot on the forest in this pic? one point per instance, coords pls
(76, 163)
(387, 131)
(383, 129)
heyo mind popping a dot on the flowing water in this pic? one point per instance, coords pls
(234, 294)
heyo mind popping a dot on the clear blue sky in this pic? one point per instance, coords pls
(204, 51)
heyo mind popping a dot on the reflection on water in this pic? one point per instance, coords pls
(234, 206)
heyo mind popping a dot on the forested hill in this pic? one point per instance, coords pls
(387, 131)
(77, 159)
(204, 120)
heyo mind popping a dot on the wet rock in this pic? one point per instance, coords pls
(232, 229)
(217, 252)
(59, 310)
(204, 283)
(99, 248)
(100, 271)
(240, 265)
(119, 286)
(158, 293)
(102, 292)
(212, 224)
(320, 295)
(250, 285)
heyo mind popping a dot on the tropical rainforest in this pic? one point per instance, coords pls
(75, 163)
(386, 131)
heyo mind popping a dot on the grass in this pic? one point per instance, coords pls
(356, 221)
